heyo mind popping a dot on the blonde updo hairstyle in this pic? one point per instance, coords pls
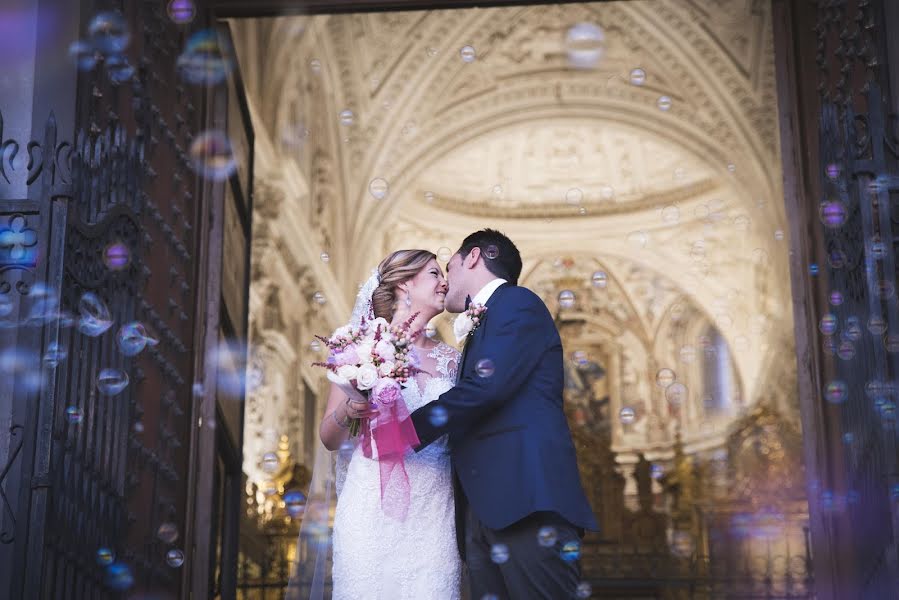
(399, 267)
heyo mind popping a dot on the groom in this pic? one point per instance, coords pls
(519, 499)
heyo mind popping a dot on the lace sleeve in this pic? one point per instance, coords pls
(447, 359)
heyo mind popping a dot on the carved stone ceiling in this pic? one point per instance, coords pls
(562, 162)
(679, 200)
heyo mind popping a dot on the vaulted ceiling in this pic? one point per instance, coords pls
(650, 151)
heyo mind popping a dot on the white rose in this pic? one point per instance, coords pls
(364, 350)
(387, 368)
(366, 377)
(382, 322)
(342, 331)
(348, 372)
(385, 350)
(462, 326)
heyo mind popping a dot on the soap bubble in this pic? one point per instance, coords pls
(828, 324)
(133, 338)
(6, 305)
(547, 536)
(484, 368)
(492, 252)
(378, 188)
(24, 366)
(347, 117)
(212, 156)
(574, 196)
(325, 257)
(55, 354)
(270, 462)
(174, 558)
(836, 392)
(84, 54)
(671, 215)
(105, 556)
(295, 502)
(846, 350)
(584, 45)
(833, 214)
(346, 449)
(600, 279)
(181, 11)
(118, 69)
(566, 299)
(167, 532)
(499, 553)
(638, 76)
(584, 590)
(627, 415)
(438, 416)
(444, 254)
(571, 551)
(119, 576)
(207, 58)
(468, 54)
(664, 103)
(112, 381)
(74, 415)
(676, 393)
(665, 377)
(319, 298)
(108, 32)
(877, 325)
(116, 256)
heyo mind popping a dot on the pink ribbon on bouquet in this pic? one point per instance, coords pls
(394, 434)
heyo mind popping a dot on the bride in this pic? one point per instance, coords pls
(375, 555)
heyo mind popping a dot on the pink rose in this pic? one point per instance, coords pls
(385, 350)
(387, 391)
(347, 356)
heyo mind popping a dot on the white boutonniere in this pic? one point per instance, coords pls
(468, 321)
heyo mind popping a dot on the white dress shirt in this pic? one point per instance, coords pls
(484, 295)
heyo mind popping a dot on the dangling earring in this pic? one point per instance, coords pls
(408, 301)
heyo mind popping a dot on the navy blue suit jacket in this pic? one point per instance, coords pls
(511, 447)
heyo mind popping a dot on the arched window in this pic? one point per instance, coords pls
(717, 374)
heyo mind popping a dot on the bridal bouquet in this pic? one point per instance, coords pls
(374, 359)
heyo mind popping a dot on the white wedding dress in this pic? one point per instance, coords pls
(377, 557)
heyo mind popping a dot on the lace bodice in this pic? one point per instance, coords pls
(378, 557)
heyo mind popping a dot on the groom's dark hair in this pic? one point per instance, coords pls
(507, 261)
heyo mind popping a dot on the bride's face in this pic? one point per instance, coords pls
(427, 290)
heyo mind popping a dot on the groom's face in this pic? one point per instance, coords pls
(455, 279)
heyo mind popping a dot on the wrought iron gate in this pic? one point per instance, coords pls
(840, 71)
(99, 484)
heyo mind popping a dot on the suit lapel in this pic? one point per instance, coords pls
(476, 335)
